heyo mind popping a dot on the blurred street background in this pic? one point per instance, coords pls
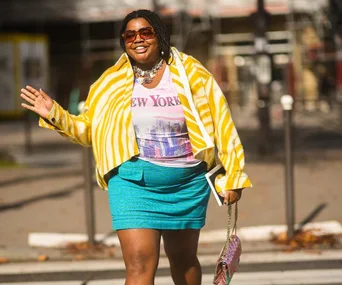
(258, 51)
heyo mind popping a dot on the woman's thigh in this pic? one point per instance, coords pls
(181, 245)
(140, 250)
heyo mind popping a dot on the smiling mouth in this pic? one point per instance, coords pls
(140, 49)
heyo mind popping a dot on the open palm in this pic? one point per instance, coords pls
(39, 101)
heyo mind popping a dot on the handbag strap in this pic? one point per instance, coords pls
(230, 230)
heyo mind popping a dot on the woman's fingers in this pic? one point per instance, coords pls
(232, 196)
(29, 107)
(35, 100)
(34, 91)
(28, 93)
(227, 199)
(45, 96)
(27, 98)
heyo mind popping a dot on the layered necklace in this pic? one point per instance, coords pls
(146, 76)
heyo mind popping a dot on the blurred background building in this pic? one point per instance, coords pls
(65, 45)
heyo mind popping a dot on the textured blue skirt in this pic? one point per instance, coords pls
(145, 195)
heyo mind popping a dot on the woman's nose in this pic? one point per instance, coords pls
(138, 38)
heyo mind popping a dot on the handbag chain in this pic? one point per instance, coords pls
(230, 230)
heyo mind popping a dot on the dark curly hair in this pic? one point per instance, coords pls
(162, 34)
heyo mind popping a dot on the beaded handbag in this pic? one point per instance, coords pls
(229, 258)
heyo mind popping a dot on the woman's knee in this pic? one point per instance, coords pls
(140, 250)
(140, 263)
(181, 248)
(181, 256)
(182, 259)
(181, 244)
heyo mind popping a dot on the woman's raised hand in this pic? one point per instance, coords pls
(40, 102)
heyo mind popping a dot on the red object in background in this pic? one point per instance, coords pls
(313, 54)
(291, 79)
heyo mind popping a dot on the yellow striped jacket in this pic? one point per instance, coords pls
(107, 126)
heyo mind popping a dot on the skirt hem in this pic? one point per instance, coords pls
(158, 225)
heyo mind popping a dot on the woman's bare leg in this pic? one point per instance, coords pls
(140, 250)
(181, 249)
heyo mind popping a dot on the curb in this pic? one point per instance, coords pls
(246, 234)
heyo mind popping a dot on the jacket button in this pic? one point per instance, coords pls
(53, 120)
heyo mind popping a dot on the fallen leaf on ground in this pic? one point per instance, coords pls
(305, 240)
(86, 247)
(3, 260)
(42, 258)
(111, 251)
(79, 257)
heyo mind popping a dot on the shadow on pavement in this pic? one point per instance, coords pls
(52, 195)
(311, 216)
(18, 180)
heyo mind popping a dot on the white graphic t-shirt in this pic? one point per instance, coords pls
(159, 124)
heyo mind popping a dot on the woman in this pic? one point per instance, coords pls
(153, 143)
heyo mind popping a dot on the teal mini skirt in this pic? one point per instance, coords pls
(145, 195)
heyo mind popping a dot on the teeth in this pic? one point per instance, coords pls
(140, 48)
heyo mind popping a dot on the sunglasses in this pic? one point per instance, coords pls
(145, 33)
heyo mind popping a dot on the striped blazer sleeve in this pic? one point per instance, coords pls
(78, 128)
(227, 141)
(75, 128)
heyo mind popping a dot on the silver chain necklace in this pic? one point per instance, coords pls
(146, 76)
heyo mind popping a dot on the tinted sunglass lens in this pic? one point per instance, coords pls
(129, 36)
(146, 34)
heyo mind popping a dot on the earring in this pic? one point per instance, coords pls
(162, 53)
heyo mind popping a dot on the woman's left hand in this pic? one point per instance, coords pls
(231, 196)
